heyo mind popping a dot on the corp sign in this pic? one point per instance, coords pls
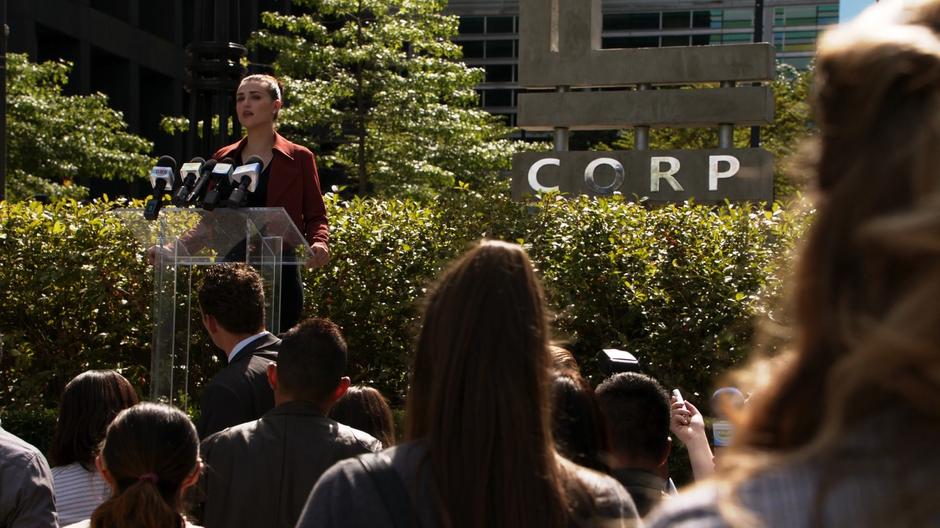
(560, 50)
(661, 176)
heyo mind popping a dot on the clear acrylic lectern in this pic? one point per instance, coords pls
(263, 237)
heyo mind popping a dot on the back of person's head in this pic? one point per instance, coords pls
(365, 408)
(151, 452)
(89, 403)
(868, 275)
(563, 359)
(311, 360)
(638, 413)
(233, 293)
(577, 423)
(479, 395)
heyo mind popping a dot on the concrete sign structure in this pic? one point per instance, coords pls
(560, 49)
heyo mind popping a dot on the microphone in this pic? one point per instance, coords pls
(219, 179)
(189, 172)
(162, 180)
(199, 188)
(246, 178)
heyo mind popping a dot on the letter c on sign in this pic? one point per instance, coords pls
(607, 189)
(534, 174)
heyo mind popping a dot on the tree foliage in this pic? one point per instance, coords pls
(377, 89)
(55, 141)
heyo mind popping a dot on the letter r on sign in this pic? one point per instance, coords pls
(656, 172)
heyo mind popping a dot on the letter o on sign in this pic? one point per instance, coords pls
(607, 189)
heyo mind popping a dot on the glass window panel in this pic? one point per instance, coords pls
(498, 72)
(676, 20)
(799, 41)
(499, 48)
(701, 19)
(470, 25)
(651, 41)
(628, 21)
(497, 98)
(737, 18)
(800, 16)
(705, 40)
(826, 15)
(675, 40)
(800, 63)
(642, 42)
(500, 25)
(737, 38)
(472, 49)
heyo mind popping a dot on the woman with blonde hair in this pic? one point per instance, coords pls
(845, 431)
(479, 450)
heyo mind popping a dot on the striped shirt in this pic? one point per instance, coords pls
(78, 492)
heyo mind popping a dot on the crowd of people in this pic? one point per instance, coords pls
(500, 426)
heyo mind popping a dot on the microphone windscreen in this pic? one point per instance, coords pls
(197, 159)
(167, 161)
(254, 159)
(207, 166)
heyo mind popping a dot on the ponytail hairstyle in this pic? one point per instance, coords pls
(150, 451)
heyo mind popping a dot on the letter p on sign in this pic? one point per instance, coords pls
(734, 165)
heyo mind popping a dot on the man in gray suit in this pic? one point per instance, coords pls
(260, 473)
(232, 300)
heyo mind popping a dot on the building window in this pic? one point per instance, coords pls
(505, 24)
(500, 73)
(500, 49)
(631, 21)
(676, 20)
(675, 40)
(472, 49)
(471, 25)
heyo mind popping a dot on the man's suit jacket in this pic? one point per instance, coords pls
(240, 392)
(260, 473)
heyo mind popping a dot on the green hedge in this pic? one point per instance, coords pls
(676, 285)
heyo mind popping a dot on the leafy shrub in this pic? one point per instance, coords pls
(676, 285)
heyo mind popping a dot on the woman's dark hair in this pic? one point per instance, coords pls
(577, 422)
(88, 405)
(365, 408)
(479, 396)
(150, 451)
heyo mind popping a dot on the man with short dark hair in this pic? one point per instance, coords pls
(638, 415)
(232, 300)
(272, 463)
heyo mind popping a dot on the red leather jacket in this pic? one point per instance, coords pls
(293, 185)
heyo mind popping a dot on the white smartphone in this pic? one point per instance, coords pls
(677, 395)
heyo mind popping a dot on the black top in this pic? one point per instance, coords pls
(259, 198)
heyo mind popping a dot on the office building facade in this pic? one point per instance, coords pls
(489, 33)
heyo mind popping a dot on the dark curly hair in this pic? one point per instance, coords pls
(233, 293)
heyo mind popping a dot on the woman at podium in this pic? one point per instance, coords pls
(288, 179)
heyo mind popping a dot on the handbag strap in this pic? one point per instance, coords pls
(391, 489)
